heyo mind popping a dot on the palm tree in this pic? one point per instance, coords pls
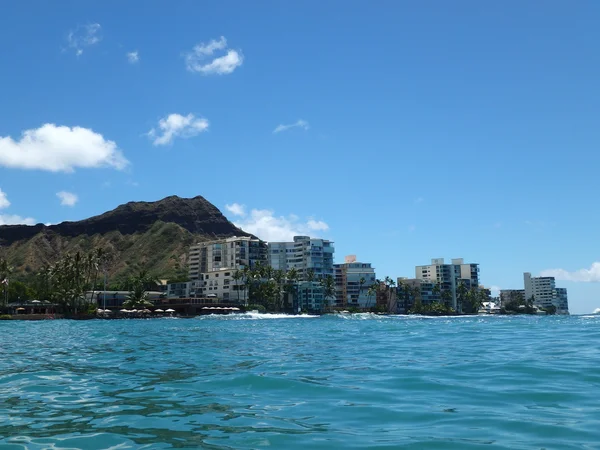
(389, 286)
(138, 296)
(372, 292)
(447, 298)
(237, 276)
(328, 285)
(310, 277)
(292, 286)
(247, 282)
(361, 283)
(461, 295)
(5, 271)
(418, 303)
(279, 278)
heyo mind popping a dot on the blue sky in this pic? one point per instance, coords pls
(403, 131)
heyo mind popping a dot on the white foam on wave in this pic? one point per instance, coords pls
(359, 316)
(596, 311)
(257, 316)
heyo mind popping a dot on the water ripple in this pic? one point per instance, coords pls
(357, 381)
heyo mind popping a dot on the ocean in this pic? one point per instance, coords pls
(255, 381)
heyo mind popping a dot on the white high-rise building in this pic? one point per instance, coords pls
(545, 294)
(303, 254)
(307, 255)
(450, 276)
(230, 253)
(349, 291)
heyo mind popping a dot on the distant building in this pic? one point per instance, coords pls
(511, 295)
(303, 254)
(179, 290)
(409, 290)
(545, 294)
(349, 291)
(230, 253)
(221, 284)
(450, 276)
(562, 301)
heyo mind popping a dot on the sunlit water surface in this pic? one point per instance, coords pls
(250, 381)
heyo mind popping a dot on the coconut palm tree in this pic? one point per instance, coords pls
(237, 276)
(279, 277)
(292, 286)
(372, 292)
(447, 298)
(461, 294)
(389, 287)
(138, 295)
(310, 277)
(361, 284)
(328, 285)
(5, 271)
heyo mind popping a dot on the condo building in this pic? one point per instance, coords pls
(229, 253)
(511, 295)
(308, 256)
(450, 276)
(303, 254)
(409, 290)
(352, 282)
(545, 294)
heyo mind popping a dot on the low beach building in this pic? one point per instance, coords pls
(222, 284)
(115, 299)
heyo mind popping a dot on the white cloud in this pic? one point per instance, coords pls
(67, 198)
(9, 219)
(60, 149)
(4, 203)
(236, 209)
(133, 57)
(84, 36)
(176, 125)
(266, 225)
(201, 60)
(591, 275)
(317, 225)
(298, 124)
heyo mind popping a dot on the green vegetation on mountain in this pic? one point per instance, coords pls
(152, 236)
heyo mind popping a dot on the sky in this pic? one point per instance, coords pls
(403, 131)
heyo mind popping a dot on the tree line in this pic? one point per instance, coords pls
(66, 282)
(278, 290)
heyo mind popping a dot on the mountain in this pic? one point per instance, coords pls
(150, 235)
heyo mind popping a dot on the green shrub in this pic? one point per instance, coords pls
(5, 317)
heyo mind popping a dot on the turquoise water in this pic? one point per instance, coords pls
(284, 383)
